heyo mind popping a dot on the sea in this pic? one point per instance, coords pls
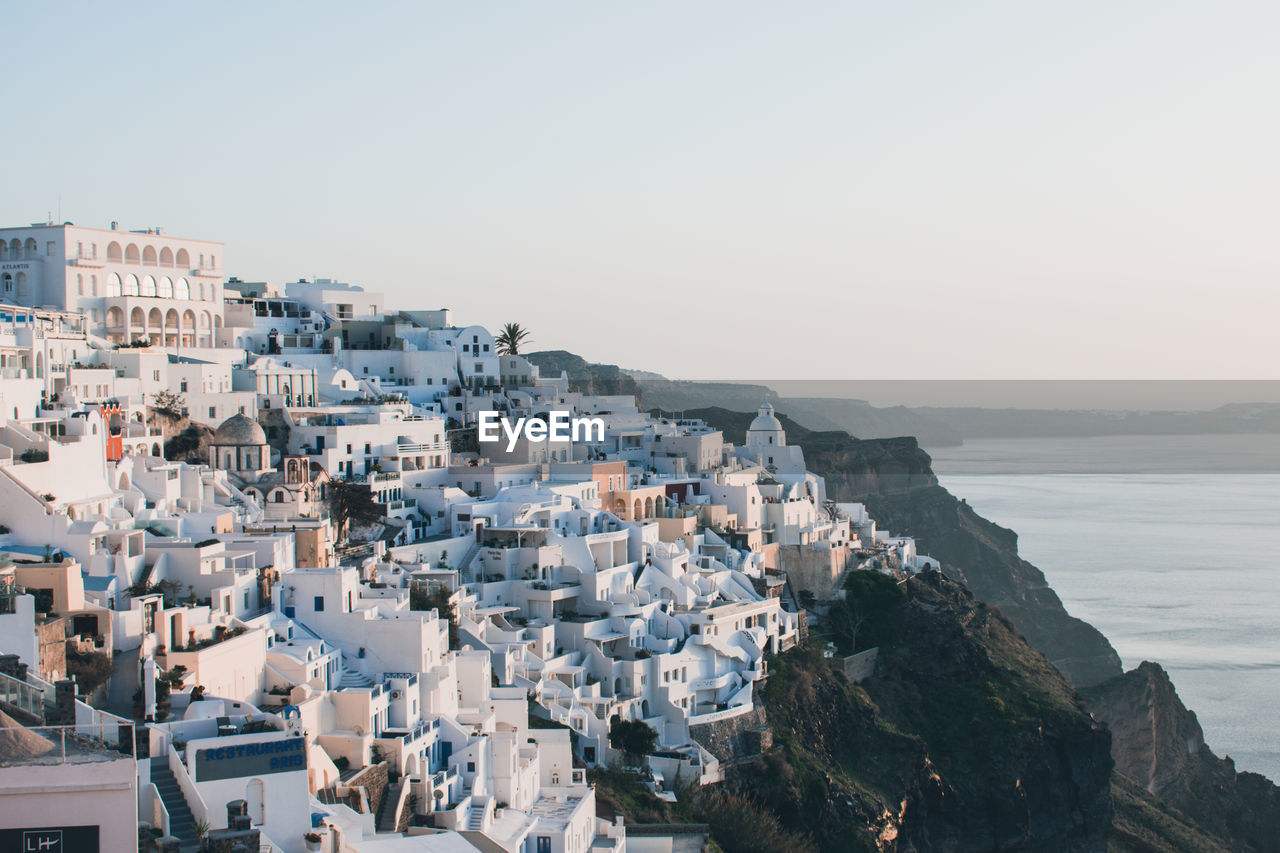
(1169, 545)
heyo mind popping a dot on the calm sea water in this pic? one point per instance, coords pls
(1170, 546)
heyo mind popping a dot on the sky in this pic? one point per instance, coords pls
(733, 190)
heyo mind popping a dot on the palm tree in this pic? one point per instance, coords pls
(511, 338)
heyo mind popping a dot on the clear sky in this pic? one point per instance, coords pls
(704, 189)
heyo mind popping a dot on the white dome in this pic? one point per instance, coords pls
(765, 421)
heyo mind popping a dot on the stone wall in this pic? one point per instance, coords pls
(374, 781)
(815, 569)
(861, 666)
(735, 738)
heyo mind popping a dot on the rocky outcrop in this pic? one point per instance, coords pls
(1158, 744)
(965, 739)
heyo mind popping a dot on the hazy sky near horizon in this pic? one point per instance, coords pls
(710, 189)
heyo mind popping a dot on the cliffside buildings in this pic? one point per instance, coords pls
(346, 621)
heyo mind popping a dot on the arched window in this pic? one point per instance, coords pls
(80, 285)
(4, 250)
(137, 319)
(181, 290)
(130, 285)
(8, 282)
(189, 319)
(148, 286)
(32, 248)
(183, 260)
(114, 253)
(164, 289)
(93, 285)
(113, 285)
(171, 319)
(155, 319)
(166, 257)
(149, 256)
(15, 249)
(131, 255)
(115, 318)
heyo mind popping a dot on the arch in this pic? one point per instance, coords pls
(39, 365)
(137, 318)
(93, 285)
(115, 317)
(188, 319)
(182, 259)
(20, 288)
(147, 287)
(15, 249)
(164, 287)
(114, 253)
(166, 257)
(131, 254)
(155, 319)
(149, 256)
(648, 507)
(32, 248)
(204, 319)
(4, 250)
(277, 496)
(130, 287)
(217, 321)
(155, 449)
(181, 289)
(113, 285)
(638, 509)
(7, 279)
(79, 285)
(123, 483)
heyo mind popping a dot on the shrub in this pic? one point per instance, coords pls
(91, 669)
(34, 454)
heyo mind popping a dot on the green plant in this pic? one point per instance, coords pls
(91, 669)
(200, 827)
(633, 737)
(34, 454)
(512, 337)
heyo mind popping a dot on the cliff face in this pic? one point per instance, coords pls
(965, 739)
(1158, 744)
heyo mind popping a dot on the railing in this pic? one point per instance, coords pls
(84, 743)
(20, 694)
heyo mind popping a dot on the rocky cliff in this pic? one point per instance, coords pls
(1159, 745)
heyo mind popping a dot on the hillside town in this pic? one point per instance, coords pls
(265, 585)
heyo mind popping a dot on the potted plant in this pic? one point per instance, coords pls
(313, 840)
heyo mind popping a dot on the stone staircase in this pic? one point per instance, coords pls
(354, 678)
(181, 821)
(388, 815)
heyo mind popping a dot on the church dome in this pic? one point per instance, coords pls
(238, 430)
(765, 421)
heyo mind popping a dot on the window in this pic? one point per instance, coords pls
(182, 386)
(213, 412)
(471, 767)
(318, 606)
(155, 375)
